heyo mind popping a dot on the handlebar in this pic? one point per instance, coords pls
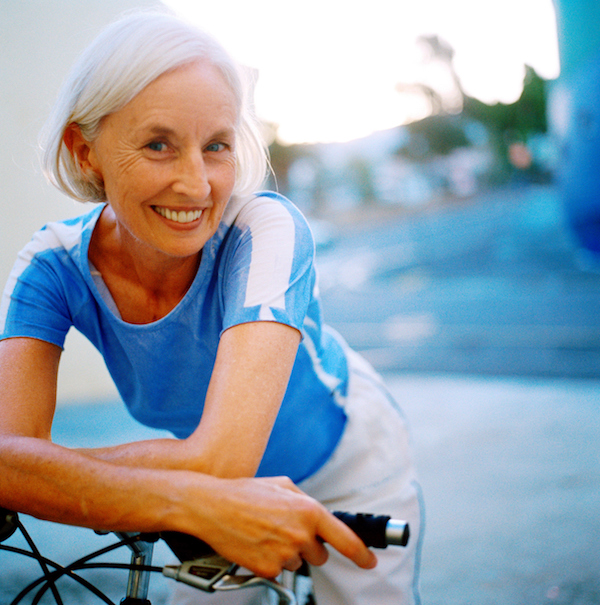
(377, 531)
(200, 566)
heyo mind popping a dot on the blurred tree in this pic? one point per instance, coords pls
(511, 126)
(507, 125)
(438, 134)
(361, 174)
(282, 158)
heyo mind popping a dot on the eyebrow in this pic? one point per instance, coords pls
(161, 131)
(157, 129)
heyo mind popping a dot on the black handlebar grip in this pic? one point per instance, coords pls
(185, 547)
(377, 531)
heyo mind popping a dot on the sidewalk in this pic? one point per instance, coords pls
(510, 470)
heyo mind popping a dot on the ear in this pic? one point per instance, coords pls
(79, 148)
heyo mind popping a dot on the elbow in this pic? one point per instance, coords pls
(219, 464)
(224, 469)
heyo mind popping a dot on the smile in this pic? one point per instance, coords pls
(180, 216)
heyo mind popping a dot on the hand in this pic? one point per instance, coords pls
(267, 525)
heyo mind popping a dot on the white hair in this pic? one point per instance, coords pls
(127, 56)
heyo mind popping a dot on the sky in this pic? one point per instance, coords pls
(329, 69)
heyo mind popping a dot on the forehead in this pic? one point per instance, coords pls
(196, 93)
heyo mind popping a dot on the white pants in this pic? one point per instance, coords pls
(370, 471)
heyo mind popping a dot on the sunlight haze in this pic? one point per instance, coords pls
(329, 69)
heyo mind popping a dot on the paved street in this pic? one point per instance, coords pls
(510, 472)
(490, 286)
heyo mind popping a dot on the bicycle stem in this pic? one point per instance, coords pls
(139, 580)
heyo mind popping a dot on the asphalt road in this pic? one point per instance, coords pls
(510, 473)
(491, 286)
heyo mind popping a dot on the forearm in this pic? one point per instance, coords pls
(57, 484)
(261, 524)
(175, 454)
(248, 383)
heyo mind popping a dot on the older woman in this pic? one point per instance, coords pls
(201, 296)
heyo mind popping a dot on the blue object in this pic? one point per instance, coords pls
(576, 118)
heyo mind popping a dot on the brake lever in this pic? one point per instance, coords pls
(202, 572)
(233, 582)
(213, 573)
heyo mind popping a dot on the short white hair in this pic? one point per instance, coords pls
(127, 56)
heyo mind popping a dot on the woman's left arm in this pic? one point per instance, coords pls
(249, 380)
(253, 365)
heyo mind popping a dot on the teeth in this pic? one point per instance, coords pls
(178, 217)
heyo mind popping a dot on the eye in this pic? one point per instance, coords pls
(156, 146)
(215, 147)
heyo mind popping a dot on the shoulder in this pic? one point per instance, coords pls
(272, 213)
(67, 235)
(48, 272)
(57, 244)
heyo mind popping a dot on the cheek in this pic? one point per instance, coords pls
(222, 182)
(228, 176)
(222, 195)
(133, 181)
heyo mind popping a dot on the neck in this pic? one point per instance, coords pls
(145, 283)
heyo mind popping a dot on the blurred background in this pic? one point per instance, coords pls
(446, 154)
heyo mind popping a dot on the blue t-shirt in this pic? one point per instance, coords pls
(259, 266)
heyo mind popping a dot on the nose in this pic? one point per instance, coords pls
(192, 178)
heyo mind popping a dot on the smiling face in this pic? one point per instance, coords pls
(167, 161)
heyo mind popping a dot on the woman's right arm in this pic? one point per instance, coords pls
(44, 479)
(262, 524)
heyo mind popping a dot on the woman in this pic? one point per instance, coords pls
(201, 296)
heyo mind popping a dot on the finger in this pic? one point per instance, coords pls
(315, 553)
(345, 541)
(284, 482)
(293, 564)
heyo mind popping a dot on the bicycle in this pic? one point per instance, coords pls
(199, 565)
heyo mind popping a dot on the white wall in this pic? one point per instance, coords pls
(39, 41)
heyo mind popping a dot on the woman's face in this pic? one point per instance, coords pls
(167, 160)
